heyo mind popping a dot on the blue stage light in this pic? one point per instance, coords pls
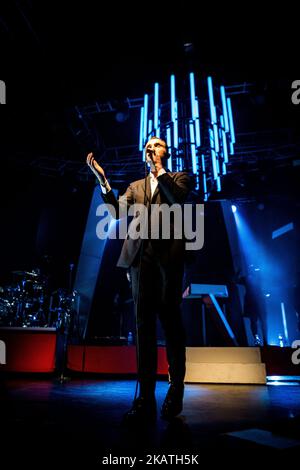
(197, 127)
(284, 229)
(145, 135)
(213, 116)
(204, 177)
(216, 138)
(224, 141)
(283, 314)
(233, 208)
(174, 117)
(156, 110)
(192, 95)
(193, 153)
(169, 143)
(141, 140)
(175, 129)
(224, 107)
(195, 110)
(174, 125)
(231, 125)
(173, 97)
(268, 279)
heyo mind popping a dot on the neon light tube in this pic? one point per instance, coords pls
(141, 141)
(193, 148)
(145, 136)
(224, 107)
(169, 143)
(211, 101)
(156, 107)
(231, 126)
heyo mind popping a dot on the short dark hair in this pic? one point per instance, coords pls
(160, 138)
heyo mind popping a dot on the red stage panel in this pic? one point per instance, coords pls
(29, 349)
(109, 359)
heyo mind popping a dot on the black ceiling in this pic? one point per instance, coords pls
(56, 55)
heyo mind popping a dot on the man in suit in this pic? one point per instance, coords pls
(156, 267)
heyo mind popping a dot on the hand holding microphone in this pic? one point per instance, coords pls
(149, 159)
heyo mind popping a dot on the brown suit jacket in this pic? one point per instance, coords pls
(173, 187)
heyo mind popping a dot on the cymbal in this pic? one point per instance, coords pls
(25, 273)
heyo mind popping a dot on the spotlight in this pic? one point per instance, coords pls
(121, 111)
(188, 47)
(121, 116)
(233, 208)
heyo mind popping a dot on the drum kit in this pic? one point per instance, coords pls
(26, 302)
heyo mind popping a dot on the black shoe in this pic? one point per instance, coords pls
(143, 411)
(173, 402)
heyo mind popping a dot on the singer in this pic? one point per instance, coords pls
(156, 268)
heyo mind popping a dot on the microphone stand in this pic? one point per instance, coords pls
(138, 304)
(65, 333)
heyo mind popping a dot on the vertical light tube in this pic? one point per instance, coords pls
(215, 162)
(197, 125)
(195, 110)
(213, 153)
(192, 95)
(173, 98)
(225, 150)
(213, 115)
(286, 336)
(231, 143)
(224, 140)
(224, 107)
(176, 126)
(204, 177)
(216, 138)
(141, 140)
(174, 116)
(145, 136)
(169, 143)
(193, 153)
(156, 109)
(231, 125)
(150, 127)
(222, 151)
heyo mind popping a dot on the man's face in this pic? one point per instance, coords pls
(157, 149)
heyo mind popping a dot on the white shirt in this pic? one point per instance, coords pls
(153, 180)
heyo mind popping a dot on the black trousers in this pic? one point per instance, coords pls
(157, 289)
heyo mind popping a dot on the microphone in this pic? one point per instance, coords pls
(150, 153)
(149, 159)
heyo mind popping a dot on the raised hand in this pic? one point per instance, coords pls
(96, 168)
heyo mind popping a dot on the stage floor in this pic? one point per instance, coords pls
(42, 419)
